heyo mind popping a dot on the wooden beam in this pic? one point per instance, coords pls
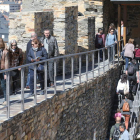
(119, 27)
(124, 23)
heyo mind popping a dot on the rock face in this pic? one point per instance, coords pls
(73, 114)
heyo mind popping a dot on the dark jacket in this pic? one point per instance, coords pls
(96, 40)
(52, 45)
(29, 46)
(41, 52)
(16, 58)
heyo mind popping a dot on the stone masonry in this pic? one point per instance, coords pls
(73, 114)
(22, 24)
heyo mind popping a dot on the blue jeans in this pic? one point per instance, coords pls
(101, 52)
(111, 53)
(28, 78)
(126, 62)
(40, 77)
(3, 85)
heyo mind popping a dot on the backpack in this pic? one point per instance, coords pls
(131, 70)
(116, 133)
(126, 89)
(125, 106)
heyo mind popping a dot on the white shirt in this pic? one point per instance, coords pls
(121, 85)
(46, 46)
(121, 30)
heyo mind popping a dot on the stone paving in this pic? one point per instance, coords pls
(15, 103)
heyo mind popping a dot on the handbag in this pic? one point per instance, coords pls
(126, 89)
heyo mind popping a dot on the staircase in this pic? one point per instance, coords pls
(133, 123)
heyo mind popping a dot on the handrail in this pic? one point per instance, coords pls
(55, 58)
(64, 79)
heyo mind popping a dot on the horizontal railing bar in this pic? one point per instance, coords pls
(55, 58)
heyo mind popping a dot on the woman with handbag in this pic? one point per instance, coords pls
(16, 59)
(37, 53)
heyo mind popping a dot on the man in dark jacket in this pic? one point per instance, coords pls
(50, 44)
(29, 46)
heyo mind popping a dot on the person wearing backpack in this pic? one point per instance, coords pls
(133, 76)
(137, 54)
(124, 133)
(110, 40)
(115, 132)
(123, 85)
(129, 52)
(126, 105)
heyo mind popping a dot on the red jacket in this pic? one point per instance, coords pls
(137, 52)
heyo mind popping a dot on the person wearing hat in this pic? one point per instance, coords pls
(129, 52)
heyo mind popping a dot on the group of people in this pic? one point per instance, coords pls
(127, 88)
(109, 40)
(127, 85)
(37, 50)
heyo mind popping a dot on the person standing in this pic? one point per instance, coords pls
(16, 59)
(124, 133)
(112, 26)
(129, 52)
(100, 41)
(137, 54)
(36, 53)
(4, 64)
(110, 40)
(50, 44)
(29, 46)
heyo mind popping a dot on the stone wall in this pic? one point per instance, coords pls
(86, 33)
(73, 114)
(22, 24)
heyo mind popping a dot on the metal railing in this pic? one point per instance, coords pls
(106, 65)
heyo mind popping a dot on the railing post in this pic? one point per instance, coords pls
(35, 92)
(103, 60)
(63, 74)
(22, 89)
(87, 67)
(8, 93)
(72, 73)
(46, 79)
(113, 54)
(108, 49)
(80, 69)
(118, 52)
(54, 76)
(98, 62)
(93, 64)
